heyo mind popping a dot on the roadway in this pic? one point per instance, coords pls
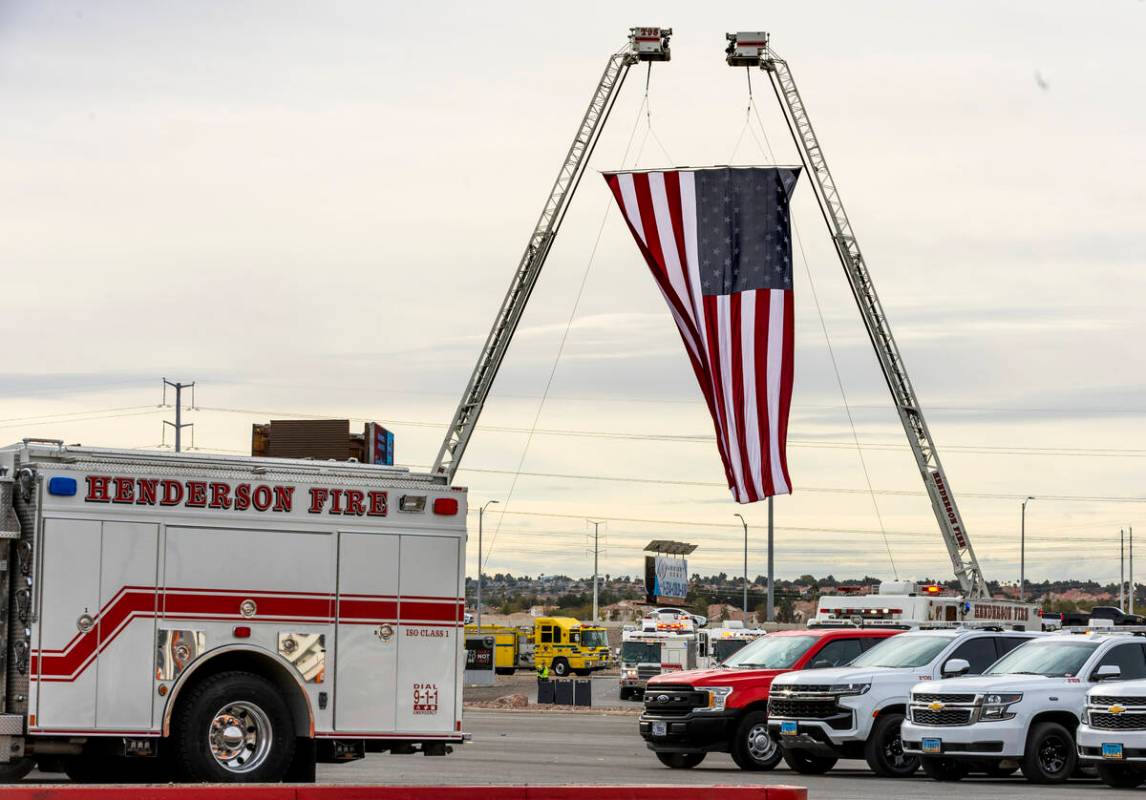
(600, 748)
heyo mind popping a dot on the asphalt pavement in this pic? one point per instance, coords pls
(591, 748)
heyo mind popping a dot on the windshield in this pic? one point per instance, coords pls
(771, 652)
(723, 648)
(1055, 660)
(903, 651)
(594, 638)
(641, 652)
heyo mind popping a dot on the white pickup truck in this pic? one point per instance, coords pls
(856, 711)
(1024, 711)
(1112, 736)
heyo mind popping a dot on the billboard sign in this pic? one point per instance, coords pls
(666, 579)
(379, 445)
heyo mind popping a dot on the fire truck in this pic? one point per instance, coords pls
(214, 618)
(562, 644)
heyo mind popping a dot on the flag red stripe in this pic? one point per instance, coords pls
(763, 320)
(746, 489)
(787, 374)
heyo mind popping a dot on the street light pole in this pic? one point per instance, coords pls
(771, 607)
(481, 513)
(1023, 551)
(745, 524)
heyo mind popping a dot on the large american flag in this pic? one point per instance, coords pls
(718, 244)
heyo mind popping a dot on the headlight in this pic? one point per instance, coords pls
(629, 674)
(844, 689)
(717, 697)
(1085, 715)
(997, 706)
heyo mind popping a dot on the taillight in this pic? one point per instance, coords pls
(446, 506)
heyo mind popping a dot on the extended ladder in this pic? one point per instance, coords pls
(645, 44)
(752, 49)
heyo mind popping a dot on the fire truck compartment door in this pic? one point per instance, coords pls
(429, 646)
(366, 659)
(87, 609)
(69, 586)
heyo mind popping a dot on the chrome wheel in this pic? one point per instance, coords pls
(240, 736)
(761, 746)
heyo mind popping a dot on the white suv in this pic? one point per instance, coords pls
(1112, 736)
(1022, 712)
(856, 711)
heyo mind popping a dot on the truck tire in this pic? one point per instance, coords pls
(233, 727)
(944, 769)
(560, 667)
(680, 760)
(1050, 755)
(1121, 776)
(752, 746)
(884, 749)
(805, 763)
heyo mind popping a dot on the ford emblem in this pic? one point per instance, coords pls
(662, 698)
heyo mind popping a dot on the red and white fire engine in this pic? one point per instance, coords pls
(224, 618)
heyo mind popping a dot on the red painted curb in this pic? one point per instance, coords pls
(336, 792)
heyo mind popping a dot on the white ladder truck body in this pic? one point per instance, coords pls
(752, 49)
(645, 44)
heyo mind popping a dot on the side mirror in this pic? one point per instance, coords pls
(1108, 672)
(956, 667)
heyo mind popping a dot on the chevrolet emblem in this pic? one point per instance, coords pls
(935, 706)
(1116, 709)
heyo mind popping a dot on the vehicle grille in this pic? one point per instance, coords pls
(1102, 720)
(802, 709)
(942, 698)
(644, 673)
(1134, 700)
(948, 716)
(673, 702)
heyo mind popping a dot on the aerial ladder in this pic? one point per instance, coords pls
(645, 44)
(752, 49)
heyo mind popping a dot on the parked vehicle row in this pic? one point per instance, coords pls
(952, 701)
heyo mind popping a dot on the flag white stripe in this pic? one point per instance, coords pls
(692, 258)
(668, 242)
(775, 366)
(724, 335)
(632, 209)
(748, 357)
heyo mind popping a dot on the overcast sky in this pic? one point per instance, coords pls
(315, 209)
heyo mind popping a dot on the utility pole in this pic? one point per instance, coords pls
(481, 513)
(1122, 570)
(179, 424)
(596, 550)
(1130, 588)
(771, 607)
(745, 524)
(1023, 551)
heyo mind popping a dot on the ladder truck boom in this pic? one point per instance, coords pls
(750, 49)
(645, 44)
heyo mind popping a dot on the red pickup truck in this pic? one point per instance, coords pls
(690, 714)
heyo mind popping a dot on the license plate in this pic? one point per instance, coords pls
(1112, 751)
(788, 728)
(660, 729)
(932, 745)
